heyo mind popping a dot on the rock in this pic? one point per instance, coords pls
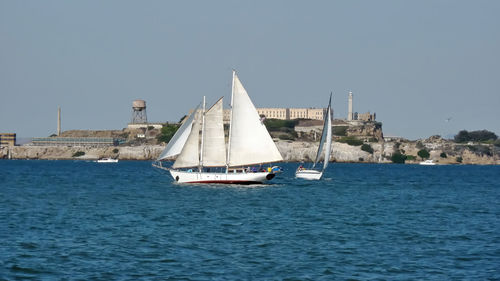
(290, 150)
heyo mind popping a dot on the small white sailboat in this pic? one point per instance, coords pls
(200, 147)
(326, 137)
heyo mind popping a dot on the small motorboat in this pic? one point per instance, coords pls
(107, 160)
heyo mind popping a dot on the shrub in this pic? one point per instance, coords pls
(459, 159)
(398, 158)
(480, 149)
(361, 159)
(124, 135)
(443, 155)
(339, 131)
(115, 150)
(286, 137)
(277, 124)
(78, 154)
(351, 141)
(423, 154)
(368, 148)
(167, 132)
(411, 157)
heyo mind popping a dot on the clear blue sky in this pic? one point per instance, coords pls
(414, 63)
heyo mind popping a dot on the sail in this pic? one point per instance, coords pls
(249, 140)
(326, 124)
(175, 144)
(190, 153)
(214, 146)
(328, 146)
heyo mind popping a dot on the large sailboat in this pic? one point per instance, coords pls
(200, 146)
(326, 137)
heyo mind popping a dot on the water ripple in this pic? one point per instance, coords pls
(68, 220)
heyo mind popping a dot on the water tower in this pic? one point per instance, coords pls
(139, 112)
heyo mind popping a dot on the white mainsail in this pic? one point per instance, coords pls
(325, 136)
(249, 140)
(214, 146)
(174, 146)
(190, 155)
(328, 147)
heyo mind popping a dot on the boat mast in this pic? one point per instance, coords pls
(230, 124)
(200, 167)
(328, 148)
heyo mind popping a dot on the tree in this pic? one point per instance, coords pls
(78, 154)
(368, 148)
(167, 132)
(424, 154)
(483, 135)
(478, 136)
(398, 158)
(443, 155)
(462, 136)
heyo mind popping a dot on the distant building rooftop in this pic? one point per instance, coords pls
(68, 141)
(144, 125)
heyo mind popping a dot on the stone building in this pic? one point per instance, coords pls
(275, 113)
(365, 116)
(285, 113)
(7, 139)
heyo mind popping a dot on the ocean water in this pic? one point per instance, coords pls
(75, 220)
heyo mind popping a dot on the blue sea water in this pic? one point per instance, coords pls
(76, 220)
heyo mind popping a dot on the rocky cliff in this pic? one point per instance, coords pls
(145, 152)
(441, 151)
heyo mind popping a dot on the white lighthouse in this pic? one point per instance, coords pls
(349, 111)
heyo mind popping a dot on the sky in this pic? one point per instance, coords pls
(415, 63)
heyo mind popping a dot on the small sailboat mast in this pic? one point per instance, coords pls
(230, 123)
(328, 147)
(326, 134)
(326, 137)
(200, 166)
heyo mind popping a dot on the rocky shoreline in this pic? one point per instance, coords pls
(292, 151)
